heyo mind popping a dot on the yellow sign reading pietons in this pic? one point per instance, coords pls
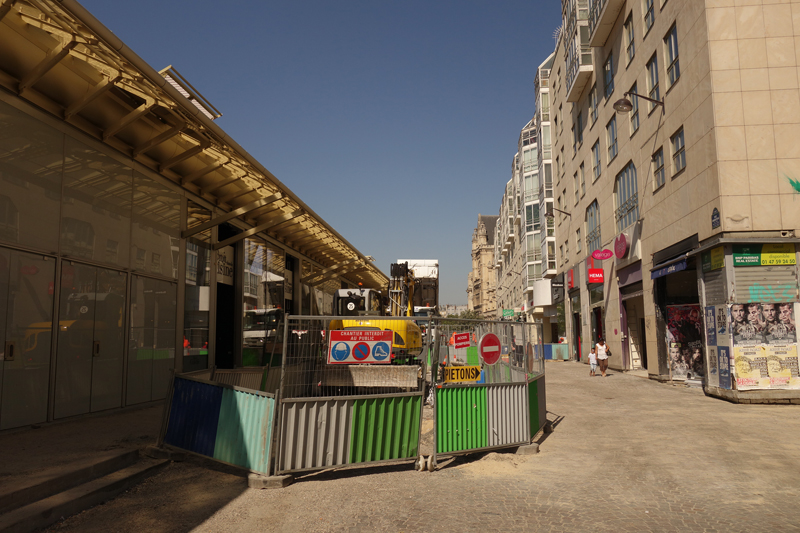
(462, 373)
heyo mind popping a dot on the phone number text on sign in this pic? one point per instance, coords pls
(352, 347)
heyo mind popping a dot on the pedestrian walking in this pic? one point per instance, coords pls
(592, 362)
(603, 354)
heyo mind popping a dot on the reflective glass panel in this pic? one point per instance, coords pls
(198, 291)
(26, 296)
(156, 230)
(96, 215)
(31, 161)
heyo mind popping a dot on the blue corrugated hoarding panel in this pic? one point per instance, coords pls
(193, 417)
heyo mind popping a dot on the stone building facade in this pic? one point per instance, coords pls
(481, 280)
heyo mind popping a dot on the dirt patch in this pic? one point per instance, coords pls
(494, 464)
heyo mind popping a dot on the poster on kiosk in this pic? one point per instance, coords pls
(765, 345)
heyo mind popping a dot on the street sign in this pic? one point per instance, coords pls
(489, 348)
(461, 340)
(359, 346)
(508, 312)
(462, 373)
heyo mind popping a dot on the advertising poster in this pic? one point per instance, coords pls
(686, 336)
(765, 346)
(712, 362)
(724, 367)
(723, 333)
(711, 325)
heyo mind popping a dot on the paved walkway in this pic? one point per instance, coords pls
(626, 454)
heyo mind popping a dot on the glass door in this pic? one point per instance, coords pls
(151, 356)
(26, 323)
(90, 355)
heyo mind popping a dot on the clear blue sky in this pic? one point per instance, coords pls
(395, 121)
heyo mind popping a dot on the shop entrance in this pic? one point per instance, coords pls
(576, 335)
(634, 313)
(597, 324)
(26, 324)
(91, 339)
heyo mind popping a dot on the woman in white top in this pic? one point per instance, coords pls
(602, 355)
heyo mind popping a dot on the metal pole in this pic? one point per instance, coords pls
(434, 374)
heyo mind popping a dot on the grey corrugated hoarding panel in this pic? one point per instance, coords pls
(759, 284)
(315, 434)
(248, 378)
(714, 282)
(508, 414)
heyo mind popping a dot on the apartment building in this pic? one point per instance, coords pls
(481, 279)
(676, 174)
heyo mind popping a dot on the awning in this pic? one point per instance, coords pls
(669, 267)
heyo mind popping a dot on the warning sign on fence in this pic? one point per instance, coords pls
(461, 340)
(349, 347)
(462, 373)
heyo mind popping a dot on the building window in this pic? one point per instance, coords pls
(545, 107)
(592, 228)
(611, 138)
(652, 80)
(658, 168)
(671, 49)
(649, 15)
(608, 75)
(577, 186)
(563, 161)
(678, 152)
(629, 38)
(593, 103)
(634, 109)
(596, 161)
(579, 129)
(578, 240)
(627, 196)
(582, 175)
(574, 140)
(528, 218)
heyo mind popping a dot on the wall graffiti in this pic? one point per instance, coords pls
(772, 293)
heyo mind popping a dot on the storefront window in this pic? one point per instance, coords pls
(198, 292)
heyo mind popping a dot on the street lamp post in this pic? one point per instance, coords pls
(623, 105)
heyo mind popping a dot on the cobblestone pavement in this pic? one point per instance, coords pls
(626, 454)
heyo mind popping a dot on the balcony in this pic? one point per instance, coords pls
(579, 64)
(601, 20)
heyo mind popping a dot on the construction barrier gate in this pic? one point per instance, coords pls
(347, 393)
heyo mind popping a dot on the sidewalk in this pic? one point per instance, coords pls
(626, 454)
(28, 452)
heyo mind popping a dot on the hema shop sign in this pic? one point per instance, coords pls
(225, 265)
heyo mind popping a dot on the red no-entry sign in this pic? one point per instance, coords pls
(489, 348)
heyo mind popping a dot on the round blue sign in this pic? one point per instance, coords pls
(381, 351)
(340, 351)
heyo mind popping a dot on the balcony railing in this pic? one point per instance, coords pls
(602, 17)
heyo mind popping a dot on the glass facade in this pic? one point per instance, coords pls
(91, 252)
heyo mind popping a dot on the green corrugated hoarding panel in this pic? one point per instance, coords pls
(533, 406)
(385, 428)
(244, 431)
(461, 420)
(472, 356)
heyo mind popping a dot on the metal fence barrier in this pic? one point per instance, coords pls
(228, 423)
(488, 400)
(333, 413)
(485, 380)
